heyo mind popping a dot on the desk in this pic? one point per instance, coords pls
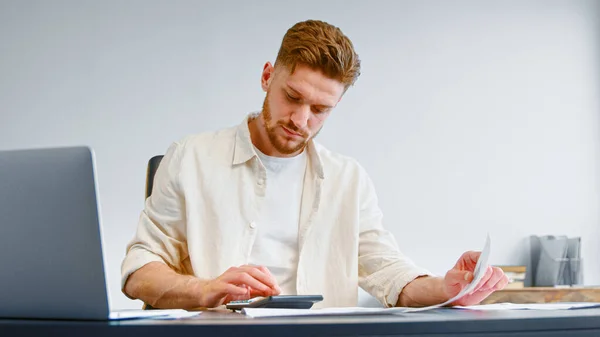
(440, 322)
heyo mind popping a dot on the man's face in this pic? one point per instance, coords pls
(296, 105)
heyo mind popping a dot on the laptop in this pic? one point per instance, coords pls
(51, 258)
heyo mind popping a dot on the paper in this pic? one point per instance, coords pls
(161, 314)
(478, 274)
(532, 306)
(266, 312)
(178, 315)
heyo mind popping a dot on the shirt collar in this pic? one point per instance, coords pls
(243, 149)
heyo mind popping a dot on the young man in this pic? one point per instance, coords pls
(262, 209)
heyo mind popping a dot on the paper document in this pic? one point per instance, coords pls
(478, 273)
(532, 306)
(266, 312)
(162, 314)
(178, 315)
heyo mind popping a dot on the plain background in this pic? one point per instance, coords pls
(471, 117)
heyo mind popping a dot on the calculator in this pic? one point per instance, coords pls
(280, 301)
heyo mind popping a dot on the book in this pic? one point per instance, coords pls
(516, 276)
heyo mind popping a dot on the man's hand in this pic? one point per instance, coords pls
(161, 287)
(239, 283)
(461, 275)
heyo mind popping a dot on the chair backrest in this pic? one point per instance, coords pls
(150, 172)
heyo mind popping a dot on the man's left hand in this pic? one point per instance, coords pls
(461, 275)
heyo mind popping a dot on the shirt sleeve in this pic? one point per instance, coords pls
(161, 230)
(383, 270)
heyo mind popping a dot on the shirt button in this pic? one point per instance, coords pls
(252, 224)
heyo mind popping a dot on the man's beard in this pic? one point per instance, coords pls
(280, 146)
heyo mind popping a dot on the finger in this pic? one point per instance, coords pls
(268, 273)
(468, 260)
(261, 276)
(246, 275)
(233, 290)
(497, 275)
(229, 292)
(250, 281)
(502, 283)
(488, 273)
(471, 256)
(458, 277)
(262, 273)
(265, 293)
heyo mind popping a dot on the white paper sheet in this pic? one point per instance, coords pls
(532, 306)
(348, 311)
(260, 312)
(162, 314)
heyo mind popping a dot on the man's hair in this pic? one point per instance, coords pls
(320, 46)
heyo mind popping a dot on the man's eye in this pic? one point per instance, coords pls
(292, 98)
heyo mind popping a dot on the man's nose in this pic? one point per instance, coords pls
(300, 116)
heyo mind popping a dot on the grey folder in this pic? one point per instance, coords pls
(555, 260)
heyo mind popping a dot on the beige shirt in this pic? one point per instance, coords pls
(209, 190)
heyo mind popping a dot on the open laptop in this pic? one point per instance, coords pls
(51, 260)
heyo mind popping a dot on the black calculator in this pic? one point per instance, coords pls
(280, 301)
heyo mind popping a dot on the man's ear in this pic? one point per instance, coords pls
(267, 76)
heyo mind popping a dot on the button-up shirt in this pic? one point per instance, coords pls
(208, 192)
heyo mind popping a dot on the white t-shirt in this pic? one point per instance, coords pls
(276, 243)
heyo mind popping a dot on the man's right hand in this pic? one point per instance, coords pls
(239, 283)
(161, 287)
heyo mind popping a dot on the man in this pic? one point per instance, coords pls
(262, 209)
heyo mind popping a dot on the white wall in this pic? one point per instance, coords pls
(471, 116)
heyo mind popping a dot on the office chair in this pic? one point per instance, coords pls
(150, 172)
